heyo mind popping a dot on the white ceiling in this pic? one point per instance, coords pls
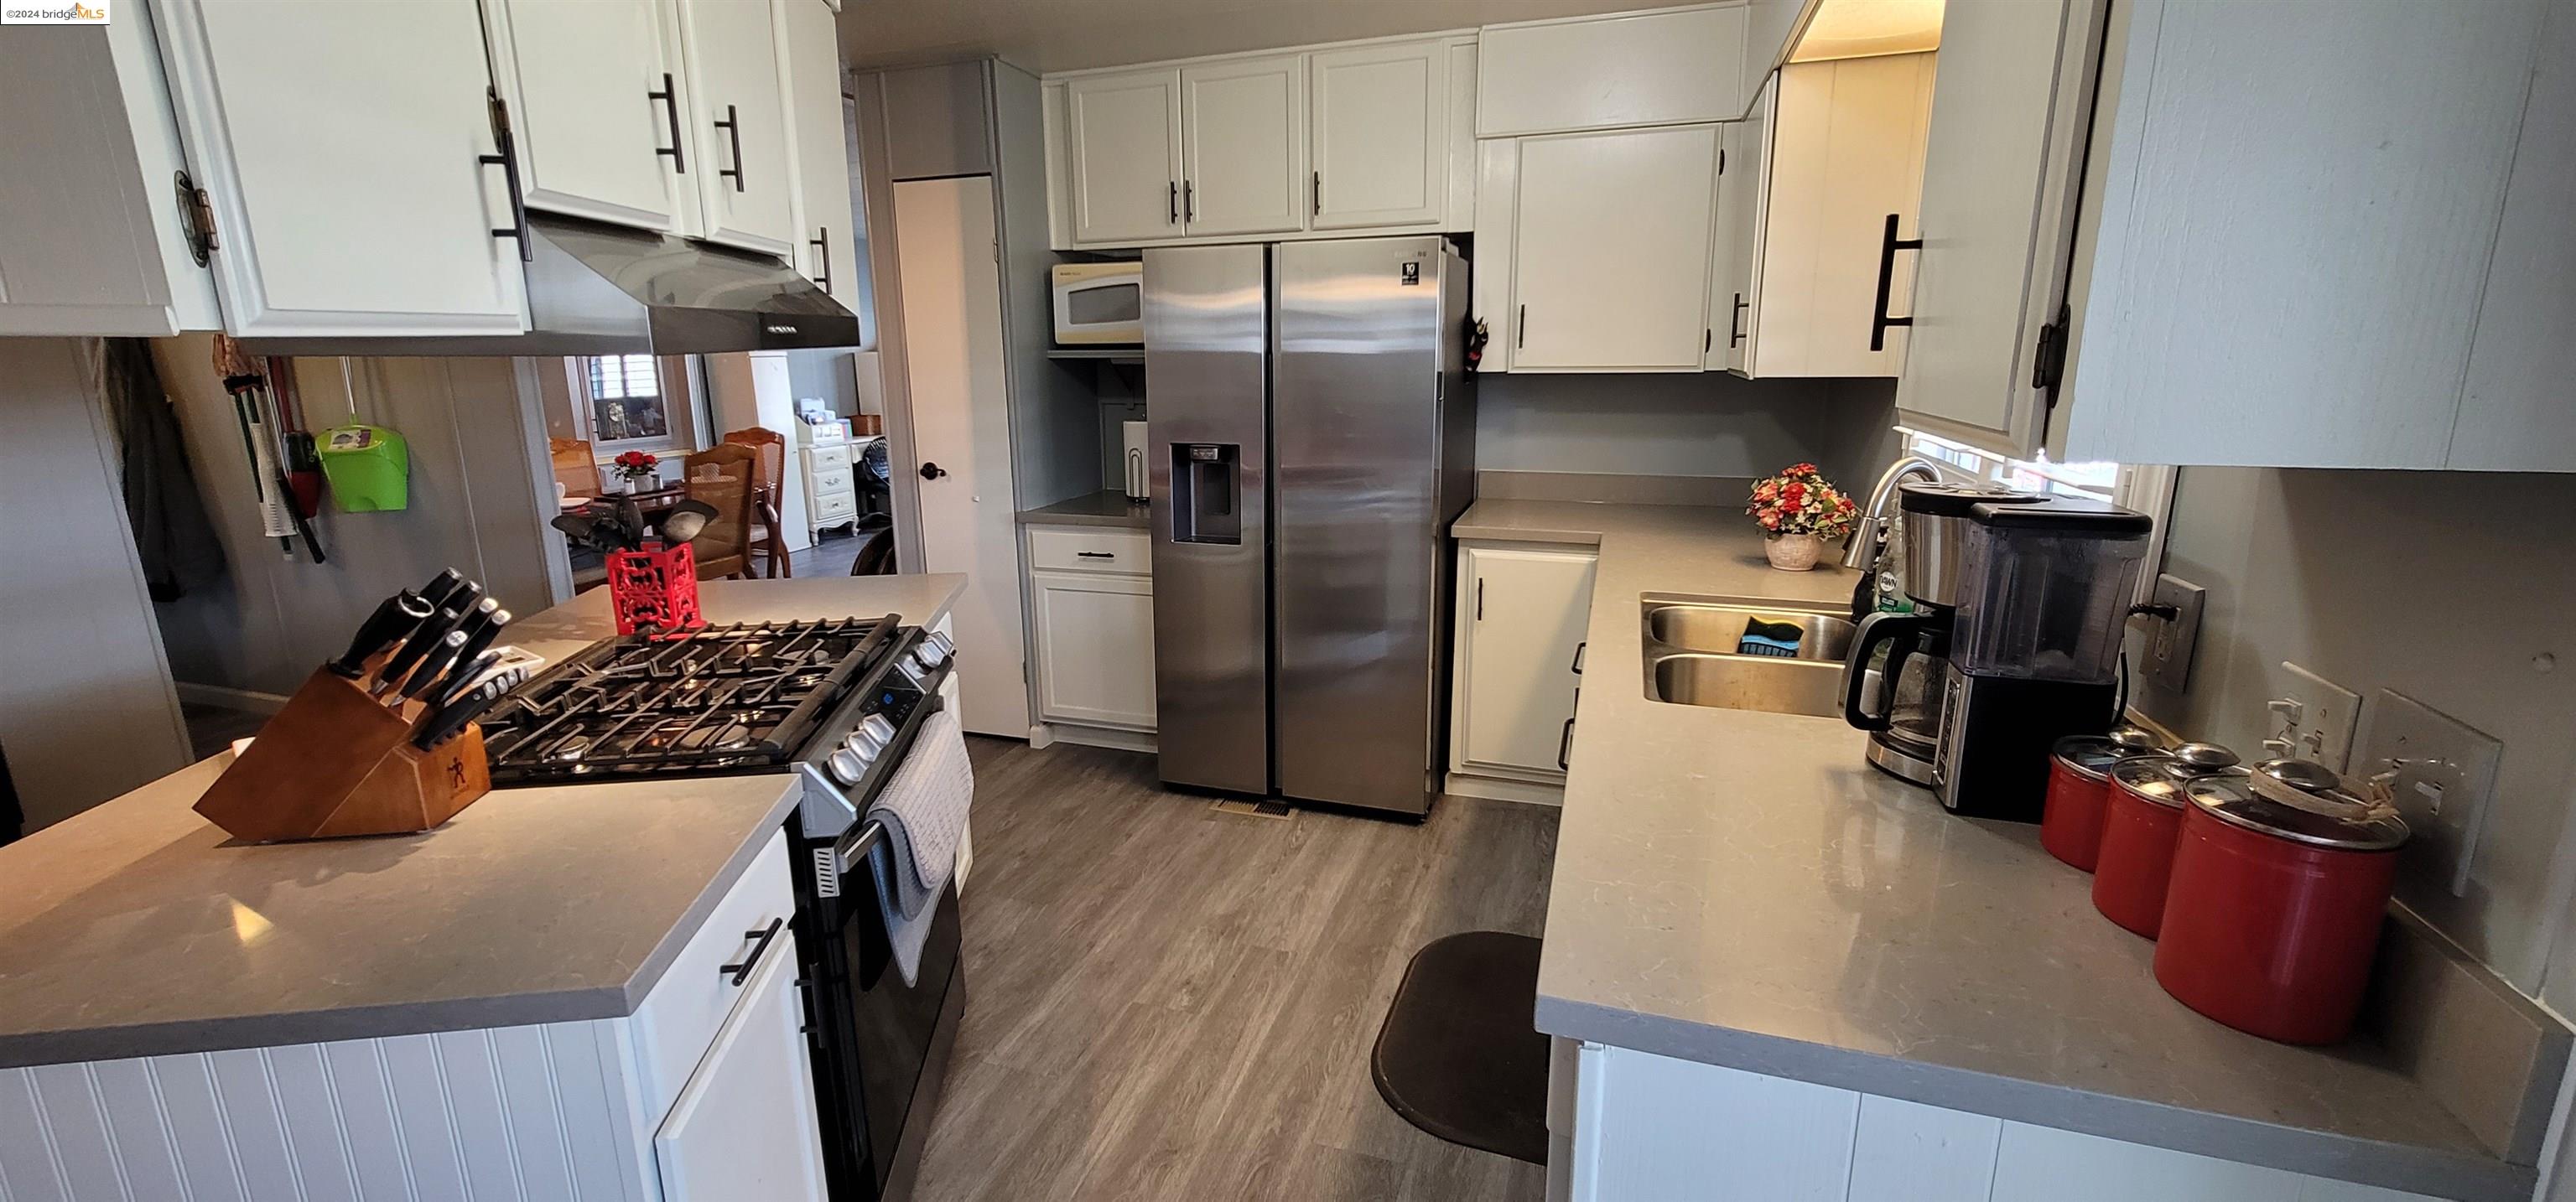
(1064, 35)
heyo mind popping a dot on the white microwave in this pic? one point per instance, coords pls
(1100, 303)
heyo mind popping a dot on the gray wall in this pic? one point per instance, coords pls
(1704, 424)
(477, 445)
(2445, 586)
(86, 708)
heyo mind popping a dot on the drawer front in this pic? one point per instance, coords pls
(829, 506)
(826, 459)
(1087, 549)
(837, 480)
(680, 1017)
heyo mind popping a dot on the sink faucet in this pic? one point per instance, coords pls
(1862, 549)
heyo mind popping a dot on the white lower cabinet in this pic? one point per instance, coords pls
(1522, 609)
(1648, 1126)
(1091, 608)
(745, 1127)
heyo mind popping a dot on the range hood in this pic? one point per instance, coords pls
(598, 289)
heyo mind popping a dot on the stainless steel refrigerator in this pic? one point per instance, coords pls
(1312, 435)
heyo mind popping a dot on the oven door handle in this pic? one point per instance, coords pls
(853, 849)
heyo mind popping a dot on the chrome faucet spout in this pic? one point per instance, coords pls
(1861, 551)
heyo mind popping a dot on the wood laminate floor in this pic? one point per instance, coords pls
(1167, 1002)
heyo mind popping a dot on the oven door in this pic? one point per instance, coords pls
(881, 1046)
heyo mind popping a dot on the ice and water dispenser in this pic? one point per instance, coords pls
(1207, 488)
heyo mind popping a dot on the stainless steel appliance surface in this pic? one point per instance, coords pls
(1312, 438)
(838, 702)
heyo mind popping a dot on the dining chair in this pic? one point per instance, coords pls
(766, 540)
(724, 547)
(576, 467)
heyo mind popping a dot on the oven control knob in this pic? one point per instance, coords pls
(877, 731)
(934, 650)
(847, 767)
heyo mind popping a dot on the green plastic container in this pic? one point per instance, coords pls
(368, 467)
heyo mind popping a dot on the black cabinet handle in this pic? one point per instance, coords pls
(1888, 245)
(1094, 555)
(1520, 331)
(1578, 658)
(1189, 200)
(508, 161)
(822, 244)
(932, 471)
(759, 947)
(1565, 745)
(1480, 598)
(732, 125)
(670, 97)
(1173, 212)
(1734, 326)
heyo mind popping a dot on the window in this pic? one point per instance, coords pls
(633, 403)
(2147, 489)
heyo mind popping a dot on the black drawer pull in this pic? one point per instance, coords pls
(1578, 658)
(1094, 555)
(761, 938)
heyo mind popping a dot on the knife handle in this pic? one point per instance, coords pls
(393, 616)
(432, 629)
(480, 630)
(431, 665)
(446, 581)
(443, 723)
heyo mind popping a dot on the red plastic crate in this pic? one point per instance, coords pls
(655, 591)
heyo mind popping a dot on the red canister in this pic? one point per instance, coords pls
(2079, 786)
(2141, 823)
(2280, 884)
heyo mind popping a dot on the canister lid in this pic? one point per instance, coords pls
(2206, 756)
(2089, 756)
(2136, 740)
(2302, 802)
(2159, 777)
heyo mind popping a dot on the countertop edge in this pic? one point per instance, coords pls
(2223, 1137)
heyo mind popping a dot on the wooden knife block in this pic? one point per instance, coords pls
(336, 762)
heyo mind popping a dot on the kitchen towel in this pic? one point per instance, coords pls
(923, 809)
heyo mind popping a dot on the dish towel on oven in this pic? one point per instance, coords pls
(923, 809)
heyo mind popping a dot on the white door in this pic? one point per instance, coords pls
(1742, 205)
(601, 117)
(741, 134)
(1999, 181)
(1243, 135)
(349, 194)
(961, 434)
(745, 1125)
(1123, 135)
(809, 51)
(1611, 259)
(1095, 648)
(1524, 611)
(1381, 135)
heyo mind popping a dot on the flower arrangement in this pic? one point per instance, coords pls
(1801, 501)
(635, 466)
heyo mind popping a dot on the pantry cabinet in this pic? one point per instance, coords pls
(1610, 250)
(1381, 121)
(605, 140)
(741, 137)
(362, 192)
(809, 54)
(1243, 146)
(1522, 609)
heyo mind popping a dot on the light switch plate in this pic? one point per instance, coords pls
(2446, 774)
(2326, 715)
(2167, 651)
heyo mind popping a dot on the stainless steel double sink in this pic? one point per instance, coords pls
(1694, 656)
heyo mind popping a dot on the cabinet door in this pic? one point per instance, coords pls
(1123, 135)
(809, 51)
(1381, 136)
(1524, 611)
(1742, 205)
(741, 137)
(1243, 129)
(1611, 255)
(593, 85)
(348, 194)
(1095, 648)
(1999, 181)
(745, 1125)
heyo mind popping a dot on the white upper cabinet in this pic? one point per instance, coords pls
(809, 51)
(1124, 155)
(601, 115)
(351, 191)
(1735, 267)
(1243, 140)
(94, 241)
(1381, 135)
(1666, 67)
(1610, 254)
(1999, 182)
(740, 139)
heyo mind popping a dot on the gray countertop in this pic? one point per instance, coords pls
(1108, 507)
(139, 929)
(1740, 889)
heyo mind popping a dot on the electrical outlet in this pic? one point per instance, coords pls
(2166, 655)
(2444, 772)
(2313, 719)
